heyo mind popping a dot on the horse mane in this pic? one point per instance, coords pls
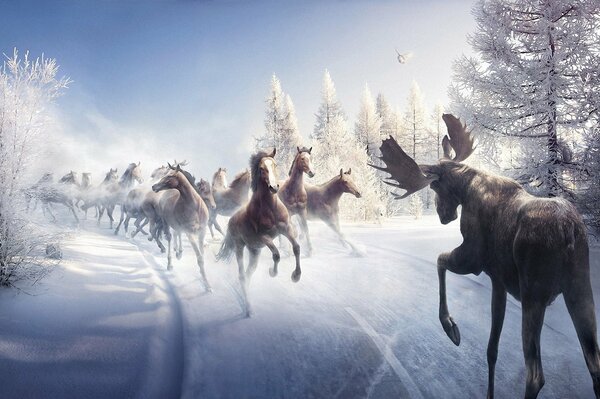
(254, 163)
(127, 174)
(190, 178)
(302, 149)
(239, 179)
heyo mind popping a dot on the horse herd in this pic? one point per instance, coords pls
(176, 204)
(533, 248)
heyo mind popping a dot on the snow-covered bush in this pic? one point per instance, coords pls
(27, 88)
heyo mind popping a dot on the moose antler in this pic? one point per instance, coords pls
(402, 168)
(461, 141)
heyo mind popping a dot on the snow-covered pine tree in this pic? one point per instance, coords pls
(368, 125)
(290, 138)
(414, 140)
(335, 148)
(437, 129)
(528, 87)
(281, 127)
(389, 122)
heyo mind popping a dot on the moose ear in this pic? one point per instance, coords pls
(309, 150)
(341, 172)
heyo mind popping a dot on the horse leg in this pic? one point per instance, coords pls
(178, 246)
(334, 224)
(218, 226)
(239, 255)
(126, 222)
(498, 309)
(120, 221)
(199, 256)
(304, 226)
(140, 226)
(168, 236)
(109, 211)
(50, 212)
(72, 208)
(100, 210)
(268, 241)
(289, 234)
(580, 303)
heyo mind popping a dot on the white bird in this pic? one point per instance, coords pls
(404, 58)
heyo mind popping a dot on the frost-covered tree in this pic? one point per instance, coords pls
(437, 129)
(416, 139)
(415, 124)
(27, 89)
(528, 90)
(281, 126)
(368, 125)
(390, 125)
(336, 148)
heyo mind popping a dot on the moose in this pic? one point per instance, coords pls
(533, 248)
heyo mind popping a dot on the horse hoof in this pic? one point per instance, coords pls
(272, 272)
(162, 250)
(178, 255)
(116, 232)
(296, 276)
(451, 329)
(169, 267)
(150, 238)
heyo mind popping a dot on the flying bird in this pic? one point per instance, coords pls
(404, 58)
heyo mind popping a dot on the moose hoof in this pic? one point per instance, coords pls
(451, 329)
(272, 272)
(296, 276)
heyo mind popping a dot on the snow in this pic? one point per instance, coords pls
(110, 321)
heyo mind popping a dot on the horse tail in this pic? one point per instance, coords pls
(227, 247)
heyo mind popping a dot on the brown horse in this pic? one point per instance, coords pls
(323, 202)
(293, 194)
(228, 199)
(258, 223)
(183, 210)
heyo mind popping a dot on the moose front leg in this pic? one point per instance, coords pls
(462, 260)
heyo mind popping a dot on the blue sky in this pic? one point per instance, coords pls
(188, 79)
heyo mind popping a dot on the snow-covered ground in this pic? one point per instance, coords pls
(110, 321)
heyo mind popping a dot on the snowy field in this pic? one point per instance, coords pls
(110, 321)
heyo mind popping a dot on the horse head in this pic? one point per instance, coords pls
(205, 191)
(302, 161)
(348, 184)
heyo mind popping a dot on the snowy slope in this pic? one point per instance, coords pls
(112, 320)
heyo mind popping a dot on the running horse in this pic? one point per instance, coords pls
(323, 202)
(258, 223)
(184, 211)
(293, 193)
(117, 192)
(228, 199)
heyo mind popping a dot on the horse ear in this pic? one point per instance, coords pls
(309, 150)
(349, 171)
(298, 148)
(341, 172)
(225, 170)
(273, 153)
(139, 162)
(170, 166)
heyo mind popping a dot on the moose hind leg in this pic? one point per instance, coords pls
(498, 310)
(533, 319)
(580, 304)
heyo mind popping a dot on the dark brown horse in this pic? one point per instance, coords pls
(293, 194)
(183, 210)
(532, 248)
(324, 199)
(228, 199)
(258, 223)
